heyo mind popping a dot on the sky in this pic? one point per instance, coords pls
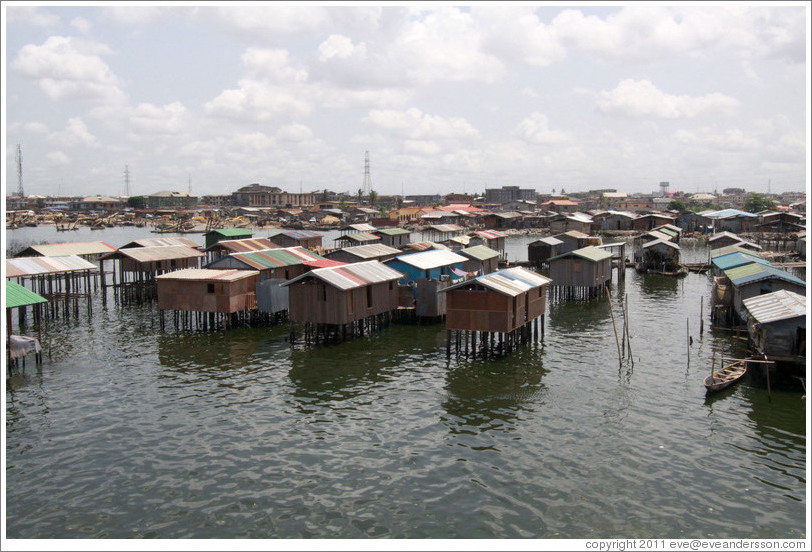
(132, 99)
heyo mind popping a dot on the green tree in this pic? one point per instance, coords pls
(325, 195)
(676, 205)
(758, 202)
(372, 197)
(136, 202)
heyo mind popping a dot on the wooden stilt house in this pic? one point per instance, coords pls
(18, 299)
(776, 324)
(225, 247)
(504, 303)
(393, 237)
(308, 239)
(542, 250)
(214, 236)
(581, 274)
(206, 298)
(361, 253)
(481, 260)
(342, 301)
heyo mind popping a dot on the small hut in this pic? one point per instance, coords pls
(360, 253)
(139, 266)
(359, 227)
(581, 274)
(723, 239)
(493, 239)
(169, 240)
(573, 240)
(425, 274)
(214, 236)
(18, 346)
(504, 303)
(542, 250)
(481, 260)
(442, 232)
(61, 280)
(343, 301)
(308, 239)
(776, 325)
(722, 263)
(207, 299)
(754, 279)
(660, 256)
(356, 238)
(87, 250)
(393, 237)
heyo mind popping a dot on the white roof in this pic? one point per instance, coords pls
(433, 258)
(779, 305)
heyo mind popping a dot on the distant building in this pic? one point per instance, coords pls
(507, 194)
(257, 195)
(170, 199)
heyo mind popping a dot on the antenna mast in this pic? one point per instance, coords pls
(20, 190)
(367, 187)
(190, 183)
(127, 180)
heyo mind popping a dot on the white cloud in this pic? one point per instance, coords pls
(340, 46)
(264, 22)
(36, 127)
(32, 15)
(81, 24)
(416, 125)
(151, 119)
(294, 133)
(68, 68)
(75, 134)
(631, 98)
(535, 129)
(256, 101)
(58, 158)
(728, 140)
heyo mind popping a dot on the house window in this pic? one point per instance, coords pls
(210, 288)
(323, 292)
(369, 297)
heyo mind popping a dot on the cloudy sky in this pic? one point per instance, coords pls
(444, 98)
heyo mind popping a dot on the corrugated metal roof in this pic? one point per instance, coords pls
(732, 260)
(662, 241)
(591, 253)
(156, 253)
(359, 237)
(63, 249)
(152, 242)
(434, 258)
(230, 232)
(657, 235)
(353, 275)
(249, 244)
(508, 281)
(271, 258)
(371, 251)
(727, 213)
(724, 234)
(755, 272)
(489, 234)
(361, 227)
(423, 246)
(204, 275)
(30, 266)
(19, 296)
(299, 234)
(574, 234)
(323, 263)
(779, 305)
(479, 252)
(445, 228)
(728, 249)
(392, 231)
(548, 241)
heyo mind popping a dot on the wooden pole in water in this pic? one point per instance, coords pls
(617, 341)
(701, 315)
(688, 340)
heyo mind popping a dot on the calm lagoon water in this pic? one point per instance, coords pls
(129, 432)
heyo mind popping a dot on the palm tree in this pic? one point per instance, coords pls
(373, 197)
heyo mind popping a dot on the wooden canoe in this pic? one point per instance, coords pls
(725, 376)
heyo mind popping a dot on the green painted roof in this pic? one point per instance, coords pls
(392, 231)
(19, 296)
(590, 253)
(479, 252)
(231, 232)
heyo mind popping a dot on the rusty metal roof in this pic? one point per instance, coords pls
(488, 234)
(299, 234)
(361, 227)
(241, 246)
(205, 275)
(508, 281)
(779, 305)
(62, 249)
(735, 248)
(270, 258)
(446, 228)
(359, 237)
(667, 243)
(353, 275)
(392, 231)
(155, 253)
(31, 266)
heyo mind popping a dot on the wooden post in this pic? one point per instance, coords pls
(617, 340)
(688, 340)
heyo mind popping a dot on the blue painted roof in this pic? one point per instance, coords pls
(732, 260)
(729, 213)
(755, 272)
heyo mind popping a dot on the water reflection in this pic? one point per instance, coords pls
(491, 395)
